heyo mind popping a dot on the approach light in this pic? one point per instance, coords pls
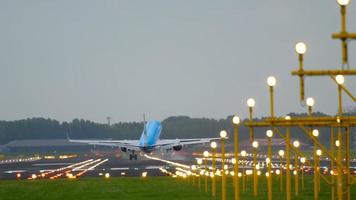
(318, 152)
(300, 48)
(223, 134)
(303, 159)
(206, 154)
(315, 132)
(255, 144)
(310, 101)
(340, 79)
(269, 133)
(337, 143)
(343, 2)
(199, 161)
(296, 144)
(236, 120)
(281, 153)
(213, 145)
(271, 81)
(243, 153)
(251, 102)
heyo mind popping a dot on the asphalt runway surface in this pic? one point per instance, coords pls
(93, 166)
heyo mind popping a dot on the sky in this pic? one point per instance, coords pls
(66, 59)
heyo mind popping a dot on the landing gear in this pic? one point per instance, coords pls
(133, 156)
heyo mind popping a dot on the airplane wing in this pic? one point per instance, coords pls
(129, 144)
(169, 144)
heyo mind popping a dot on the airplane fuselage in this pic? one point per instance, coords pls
(150, 136)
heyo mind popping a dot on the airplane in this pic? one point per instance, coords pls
(148, 142)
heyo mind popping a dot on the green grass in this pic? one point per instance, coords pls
(137, 188)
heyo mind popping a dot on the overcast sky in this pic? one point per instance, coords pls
(67, 59)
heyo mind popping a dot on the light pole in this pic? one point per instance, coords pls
(302, 160)
(213, 146)
(223, 136)
(200, 162)
(343, 4)
(243, 154)
(318, 154)
(301, 48)
(269, 134)
(193, 168)
(281, 155)
(251, 103)
(296, 144)
(340, 81)
(236, 122)
(255, 178)
(288, 174)
(206, 155)
(310, 103)
(271, 82)
(315, 134)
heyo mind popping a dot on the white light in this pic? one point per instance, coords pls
(223, 134)
(213, 145)
(340, 79)
(281, 153)
(269, 133)
(236, 120)
(232, 173)
(257, 167)
(295, 172)
(318, 152)
(199, 161)
(233, 161)
(310, 101)
(193, 167)
(343, 2)
(303, 159)
(287, 117)
(255, 144)
(243, 153)
(258, 173)
(107, 175)
(315, 132)
(268, 160)
(251, 102)
(337, 143)
(206, 153)
(267, 174)
(271, 81)
(239, 174)
(301, 48)
(278, 171)
(296, 143)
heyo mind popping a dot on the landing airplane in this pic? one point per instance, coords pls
(148, 142)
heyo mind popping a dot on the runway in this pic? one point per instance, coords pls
(81, 167)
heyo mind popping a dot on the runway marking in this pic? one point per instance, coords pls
(14, 171)
(49, 164)
(120, 168)
(167, 161)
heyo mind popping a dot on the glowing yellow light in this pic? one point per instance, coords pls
(281, 153)
(310, 101)
(269, 133)
(340, 79)
(315, 132)
(144, 175)
(258, 173)
(251, 102)
(243, 153)
(343, 2)
(271, 81)
(287, 117)
(213, 145)
(239, 174)
(318, 152)
(34, 176)
(303, 159)
(296, 144)
(267, 174)
(233, 161)
(337, 143)
(278, 171)
(236, 120)
(199, 161)
(255, 144)
(193, 167)
(223, 134)
(268, 160)
(295, 172)
(206, 154)
(301, 48)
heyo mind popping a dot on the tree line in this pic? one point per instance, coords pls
(172, 127)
